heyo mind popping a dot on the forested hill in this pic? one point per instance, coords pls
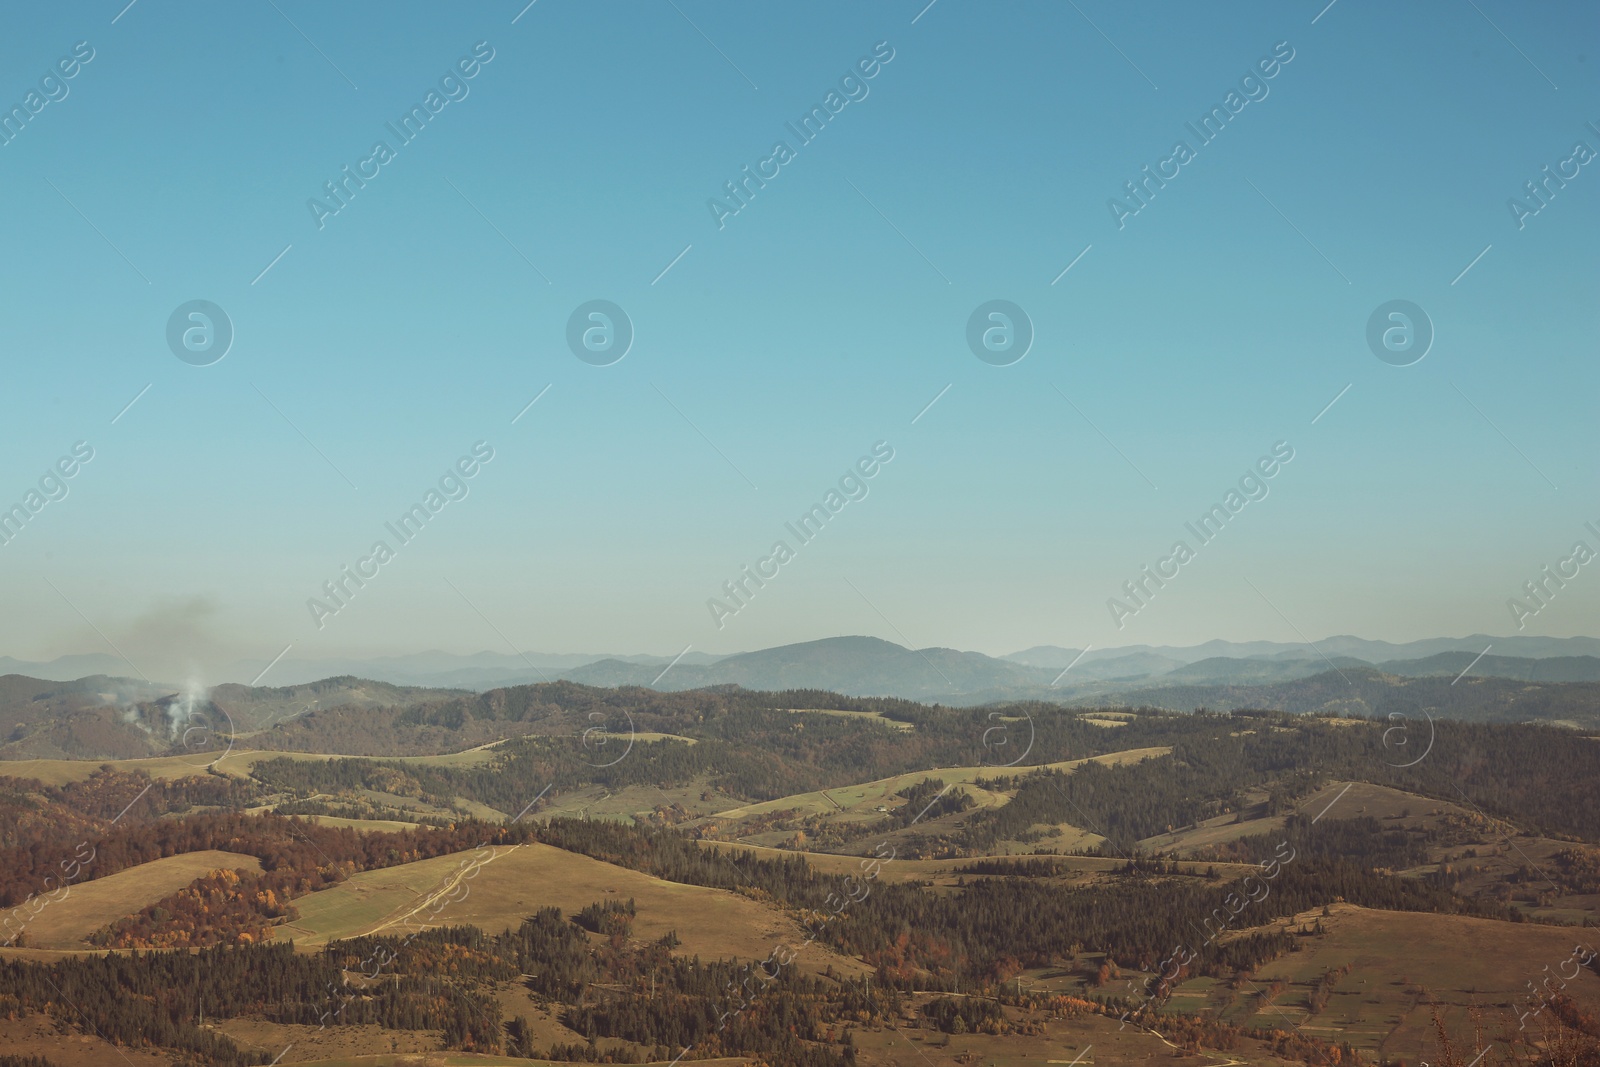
(1546, 779)
(1368, 691)
(1270, 858)
(461, 721)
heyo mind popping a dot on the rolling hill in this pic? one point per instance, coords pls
(103, 717)
(1520, 645)
(1367, 691)
(107, 718)
(1546, 669)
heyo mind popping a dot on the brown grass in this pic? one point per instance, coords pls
(1403, 965)
(880, 791)
(37, 1035)
(87, 906)
(1338, 800)
(238, 763)
(517, 881)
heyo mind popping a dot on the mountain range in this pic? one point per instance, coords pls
(871, 667)
(106, 715)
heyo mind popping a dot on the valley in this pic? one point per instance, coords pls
(1255, 886)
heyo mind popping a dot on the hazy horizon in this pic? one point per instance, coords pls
(175, 671)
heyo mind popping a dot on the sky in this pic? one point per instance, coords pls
(355, 352)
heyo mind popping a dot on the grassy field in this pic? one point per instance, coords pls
(88, 906)
(943, 872)
(891, 871)
(362, 824)
(39, 1035)
(238, 763)
(370, 1045)
(1337, 800)
(62, 771)
(482, 811)
(882, 791)
(1378, 801)
(462, 1059)
(697, 797)
(1084, 1041)
(870, 716)
(242, 759)
(1216, 831)
(346, 1044)
(517, 881)
(359, 1046)
(1404, 965)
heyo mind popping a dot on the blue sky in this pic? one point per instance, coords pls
(822, 318)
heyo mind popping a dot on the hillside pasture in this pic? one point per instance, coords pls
(514, 882)
(87, 906)
(1403, 967)
(860, 716)
(882, 791)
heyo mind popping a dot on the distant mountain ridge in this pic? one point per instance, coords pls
(868, 666)
(101, 717)
(863, 666)
(65, 668)
(1520, 645)
(857, 666)
(1370, 692)
(433, 669)
(1546, 669)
